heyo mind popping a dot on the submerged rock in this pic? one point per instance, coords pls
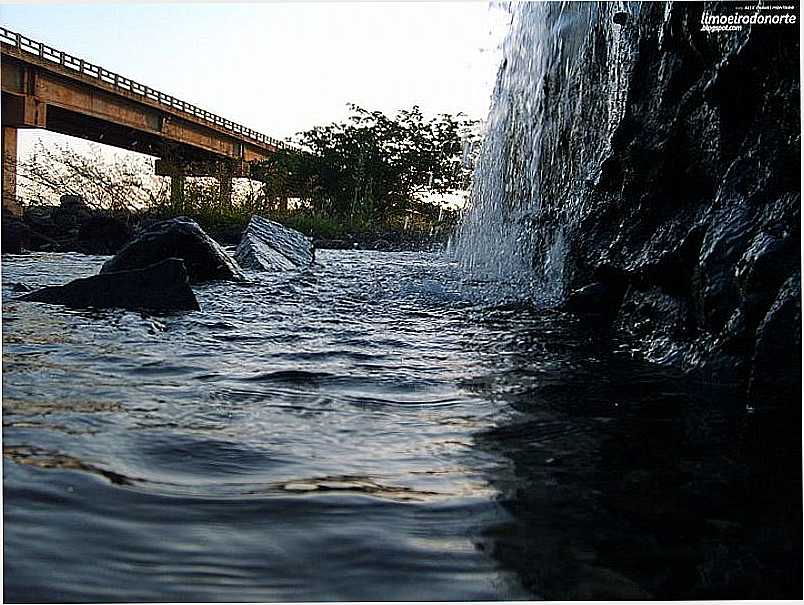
(269, 246)
(162, 286)
(177, 238)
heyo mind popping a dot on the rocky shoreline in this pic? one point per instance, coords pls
(72, 226)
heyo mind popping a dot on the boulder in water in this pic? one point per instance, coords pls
(162, 286)
(177, 238)
(269, 246)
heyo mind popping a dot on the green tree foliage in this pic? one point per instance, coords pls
(373, 167)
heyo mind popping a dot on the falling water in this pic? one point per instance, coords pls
(544, 142)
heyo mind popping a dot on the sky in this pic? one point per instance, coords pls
(282, 67)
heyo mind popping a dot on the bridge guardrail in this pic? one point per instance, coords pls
(86, 68)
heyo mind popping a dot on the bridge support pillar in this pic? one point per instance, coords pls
(177, 191)
(10, 204)
(225, 184)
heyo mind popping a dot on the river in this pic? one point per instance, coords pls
(377, 427)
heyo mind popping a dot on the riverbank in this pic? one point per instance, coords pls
(74, 227)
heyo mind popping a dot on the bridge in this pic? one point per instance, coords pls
(47, 88)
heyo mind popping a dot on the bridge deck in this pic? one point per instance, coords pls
(43, 87)
(30, 51)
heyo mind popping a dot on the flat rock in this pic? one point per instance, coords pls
(269, 246)
(162, 286)
(179, 238)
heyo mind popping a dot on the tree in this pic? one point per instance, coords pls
(372, 167)
(103, 181)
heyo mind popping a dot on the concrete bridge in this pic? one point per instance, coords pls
(46, 88)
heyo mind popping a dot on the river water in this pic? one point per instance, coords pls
(375, 428)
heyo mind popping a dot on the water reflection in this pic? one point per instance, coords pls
(630, 482)
(305, 437)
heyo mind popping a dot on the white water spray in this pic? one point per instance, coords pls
(519, 220)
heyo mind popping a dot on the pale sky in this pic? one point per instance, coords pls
(284, 67)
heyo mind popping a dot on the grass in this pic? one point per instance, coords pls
(225, 224)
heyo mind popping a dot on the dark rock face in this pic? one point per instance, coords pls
(670, 163)
(162, 286)
(177, 238)
(269, 246)
(778, 349)
(598, 298)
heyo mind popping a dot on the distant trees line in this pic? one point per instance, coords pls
(373, 167)
(369, 170)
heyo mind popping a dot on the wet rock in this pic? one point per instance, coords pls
(620, 18)
(103, 234)
(73, 228)
(269, 246)
(776, 364)
(162, 286)
(692, 193)
(714, 285)
(653, 312)
(39, 217)
(176, 238)
(596, 298)
(16, 236)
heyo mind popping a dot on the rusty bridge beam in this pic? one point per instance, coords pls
(46, 88)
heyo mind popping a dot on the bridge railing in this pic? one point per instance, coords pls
(99, 73)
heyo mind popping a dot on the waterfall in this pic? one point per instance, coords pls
(544, 141)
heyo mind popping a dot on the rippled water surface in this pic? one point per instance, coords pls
(370, 429)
